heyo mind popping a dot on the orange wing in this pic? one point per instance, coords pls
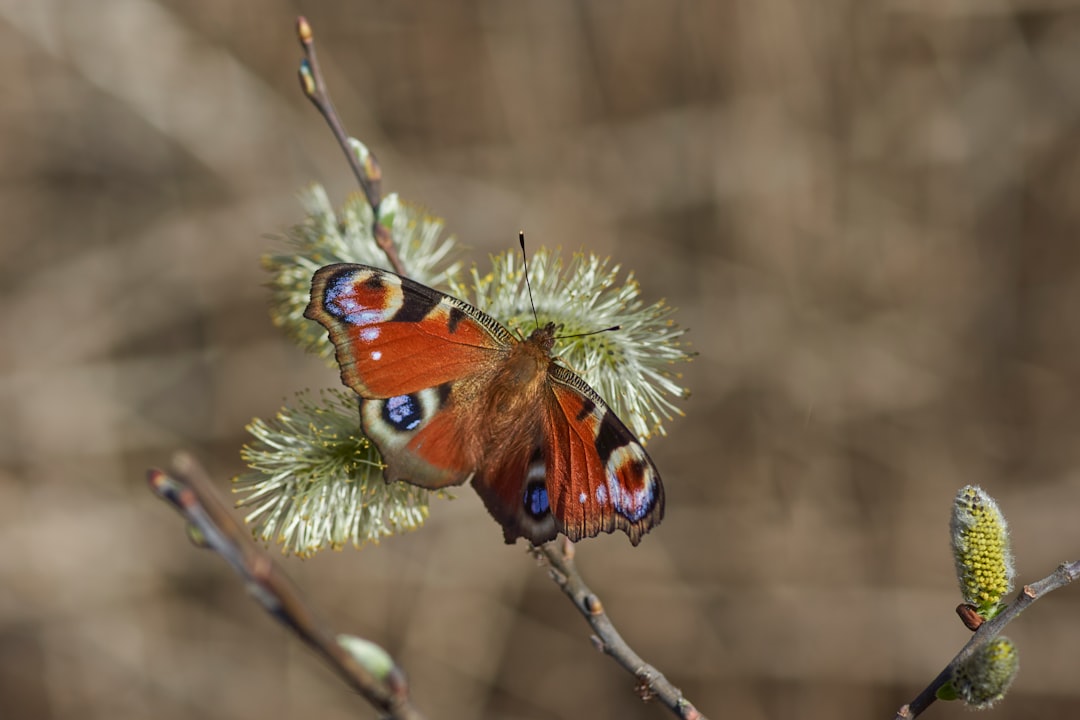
(585, 474)
(599, 477)
(403, 347)
(394, 336)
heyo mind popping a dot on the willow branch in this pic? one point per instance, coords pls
(368, 173)
(189, 490)
(1065, 574)
(559, 555)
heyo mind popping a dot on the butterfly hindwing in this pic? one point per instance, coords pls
(419, 436)
(404, 347)
(516, 495)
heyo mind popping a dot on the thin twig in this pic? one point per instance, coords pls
(1065, 574)
(651, 682)
(189, 490)
(368, 174)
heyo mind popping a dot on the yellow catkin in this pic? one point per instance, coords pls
(980, 540)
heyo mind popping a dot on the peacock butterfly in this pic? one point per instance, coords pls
(448, 394)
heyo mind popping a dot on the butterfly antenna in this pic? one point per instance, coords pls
(525, 264)
(591, 332)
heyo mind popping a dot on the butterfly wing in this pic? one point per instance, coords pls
(598, 476)
(394, 336)
(415, 356)
(515, 493)
(581, 471)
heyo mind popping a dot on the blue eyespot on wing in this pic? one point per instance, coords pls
(515, 492)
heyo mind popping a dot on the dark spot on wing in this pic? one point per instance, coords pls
(414, 306)
(586, 409)
(373, 282)
(456, 316)
(635, 474)
(610, 438)
(444, 393)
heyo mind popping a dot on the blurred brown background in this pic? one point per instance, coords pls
(867, 213)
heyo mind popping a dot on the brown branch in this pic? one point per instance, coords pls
(189, 490)
(368, 174)
(1065, 574)
(651, 682)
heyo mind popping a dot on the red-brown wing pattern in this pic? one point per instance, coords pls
(516, 496)
(599, 477)
(421, 437)
(403, 347)
(394, 336)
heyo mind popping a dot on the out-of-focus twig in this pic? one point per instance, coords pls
(190, 491)
(368, 173)
(1065, 574)
(559, 555)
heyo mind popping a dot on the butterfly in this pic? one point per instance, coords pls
(449, 395)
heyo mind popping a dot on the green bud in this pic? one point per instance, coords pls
(370, 656)
(389, 209)
(360, 150)
(986, 676)
(947, 692)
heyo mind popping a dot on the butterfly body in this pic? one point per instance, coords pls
(450, 395)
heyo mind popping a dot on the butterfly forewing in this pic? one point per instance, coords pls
(599, 476)
(394, 336)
